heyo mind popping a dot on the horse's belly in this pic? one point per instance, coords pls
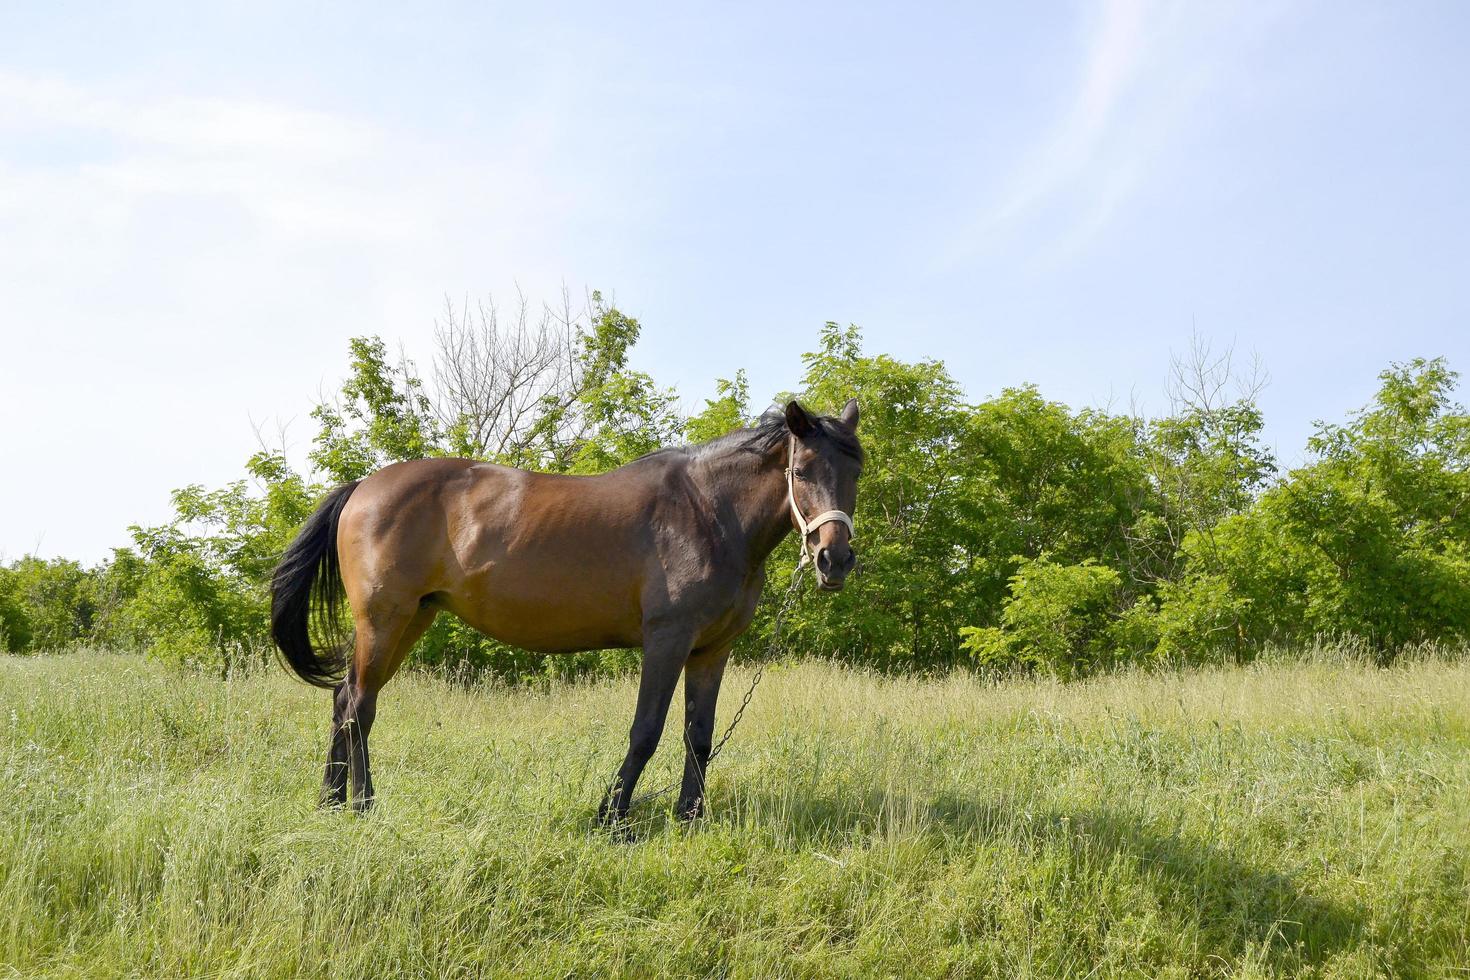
(554, 614)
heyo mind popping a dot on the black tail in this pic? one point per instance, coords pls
(308, 580)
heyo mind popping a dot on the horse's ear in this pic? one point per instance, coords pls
(799, 420)
(850, 414)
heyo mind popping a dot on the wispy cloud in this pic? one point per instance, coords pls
(1113, 57)
(1145, 65)
(79, 156)
(296, 173)
(199, 125)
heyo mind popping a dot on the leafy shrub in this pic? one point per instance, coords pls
(1056, 619)
(45, 605)
(15, 626)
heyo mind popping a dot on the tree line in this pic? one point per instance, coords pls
(1009, 534)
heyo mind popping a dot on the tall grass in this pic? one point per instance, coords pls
(1307, 818)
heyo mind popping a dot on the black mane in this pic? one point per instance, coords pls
(771, 431)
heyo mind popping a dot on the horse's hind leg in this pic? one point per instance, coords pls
(384, 637)
(334, 783)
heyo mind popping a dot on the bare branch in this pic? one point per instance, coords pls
(495, 374)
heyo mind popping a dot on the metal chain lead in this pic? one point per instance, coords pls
(787, 601)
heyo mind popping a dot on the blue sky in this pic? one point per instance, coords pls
(200, 204)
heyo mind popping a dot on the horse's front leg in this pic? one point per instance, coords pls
(664, 653)
(702, 675)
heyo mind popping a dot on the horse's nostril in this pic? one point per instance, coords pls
(824, 560)
(835, 567)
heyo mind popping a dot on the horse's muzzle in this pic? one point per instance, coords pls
(833, 564)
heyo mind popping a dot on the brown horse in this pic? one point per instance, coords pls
(667, 553)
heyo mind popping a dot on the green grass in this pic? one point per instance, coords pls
(1308, 818)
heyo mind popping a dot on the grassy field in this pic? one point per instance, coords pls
(1304, 818)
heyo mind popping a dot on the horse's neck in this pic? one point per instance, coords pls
(754, 489)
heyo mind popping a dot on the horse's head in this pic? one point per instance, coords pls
(825, 460)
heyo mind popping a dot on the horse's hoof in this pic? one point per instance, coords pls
(620, 831)
(616, 823)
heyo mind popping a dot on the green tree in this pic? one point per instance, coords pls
(1369, 539)
(1072, 485)
(623, 413)
(727, 411)
(382, 416)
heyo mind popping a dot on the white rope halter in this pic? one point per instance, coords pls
(805, 526)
